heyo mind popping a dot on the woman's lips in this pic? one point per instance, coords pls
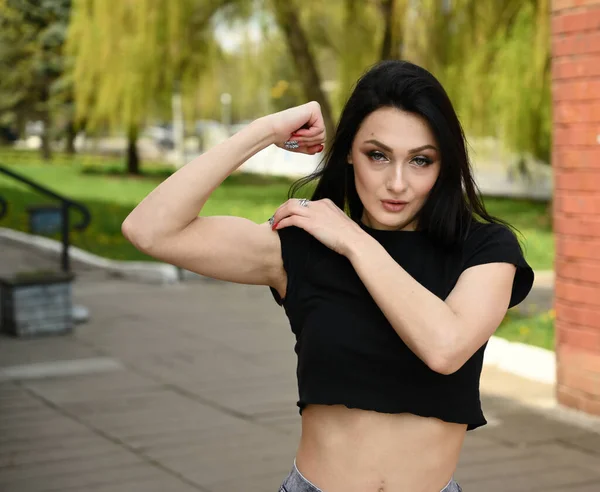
(393, 205)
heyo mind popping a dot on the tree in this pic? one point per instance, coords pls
(32, 34)
(493, 58)
(338, 40)
(297, 40)
(129, 55)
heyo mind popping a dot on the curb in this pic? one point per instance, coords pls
(151, 272)
(527, 361)
(517, 358)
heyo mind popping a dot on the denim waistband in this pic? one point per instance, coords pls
(296, 482)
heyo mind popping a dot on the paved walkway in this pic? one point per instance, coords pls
(191, 387)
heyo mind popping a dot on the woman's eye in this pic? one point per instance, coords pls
(422, 161)
(376, 156)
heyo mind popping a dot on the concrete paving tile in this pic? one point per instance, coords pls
(563, 479)
(86, 480)
(239, 380)
(37, 455)
(589, 487)
(523, 426)
(60, 427)
(76, 464)
(186, 437)
(91, 387)
(561, 454)
(589, 442)
(149, 419)
(242, 469)
(269, 482)
(81, 439)
(257, 400)
(15, 351)
(254, 441)
(11, 418)
(160, 483)
(475, 440)
(511, 466)
(489, 454)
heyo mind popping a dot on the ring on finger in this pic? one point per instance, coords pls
(291, 144)
(304, 202)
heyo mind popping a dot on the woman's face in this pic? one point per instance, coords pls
(396, 162)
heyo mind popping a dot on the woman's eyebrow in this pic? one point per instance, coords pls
(411, 151)
(423, 147)
(379, 144)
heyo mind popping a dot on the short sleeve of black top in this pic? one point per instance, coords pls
(295, 251)
(495, 243)
(348, 352)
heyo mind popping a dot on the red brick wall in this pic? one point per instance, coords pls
(576, 162)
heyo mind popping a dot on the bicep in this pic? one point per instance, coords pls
(226, 248)
(480, 300)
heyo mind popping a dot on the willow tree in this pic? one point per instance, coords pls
(129, 57)
(336, 41)
(494, 60)
(493, 57)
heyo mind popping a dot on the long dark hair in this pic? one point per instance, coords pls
(454, 201)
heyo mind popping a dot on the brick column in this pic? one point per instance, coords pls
(576, 162)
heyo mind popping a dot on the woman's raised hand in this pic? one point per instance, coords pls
(301, 124)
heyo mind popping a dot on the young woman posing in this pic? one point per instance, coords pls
(393, 277)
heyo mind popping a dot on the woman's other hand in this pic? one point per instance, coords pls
(323, 220)
(302, 124)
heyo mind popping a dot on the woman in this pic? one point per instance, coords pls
(393, 277)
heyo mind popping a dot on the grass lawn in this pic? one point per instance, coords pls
(110, 197)
(535, 330)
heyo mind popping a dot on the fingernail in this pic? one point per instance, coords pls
(275, 226)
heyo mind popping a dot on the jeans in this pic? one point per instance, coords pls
(295, 482)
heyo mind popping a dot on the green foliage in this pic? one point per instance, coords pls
(130, 55)
(32, 34)
(533, 221)
(536, 329)
(493, 58)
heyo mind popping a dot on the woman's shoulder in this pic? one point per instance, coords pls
(478, 232)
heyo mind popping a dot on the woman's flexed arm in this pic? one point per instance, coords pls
(166, 225)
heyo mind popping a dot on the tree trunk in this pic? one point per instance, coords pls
(387, 48)
(393, 20)
(46, 151)
(287, 18)
(133, 160)
(71, 135)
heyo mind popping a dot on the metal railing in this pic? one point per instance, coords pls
(66, 204)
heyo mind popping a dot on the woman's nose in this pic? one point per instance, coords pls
(396, 182)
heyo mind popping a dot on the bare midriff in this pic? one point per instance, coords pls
(352, 450)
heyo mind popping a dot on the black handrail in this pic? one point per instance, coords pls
(66, 204)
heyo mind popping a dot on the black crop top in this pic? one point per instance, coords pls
(348, 353)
